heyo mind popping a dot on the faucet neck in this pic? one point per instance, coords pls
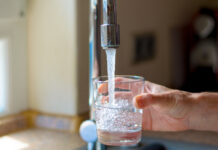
(109, 12)
(110, 30)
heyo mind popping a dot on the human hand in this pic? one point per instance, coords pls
(164, 109)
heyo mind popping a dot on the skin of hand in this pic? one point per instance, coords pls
(164, 109)
(167, 109)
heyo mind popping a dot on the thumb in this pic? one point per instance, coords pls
(163, 100)
(176, 103)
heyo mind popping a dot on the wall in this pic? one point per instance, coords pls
(83, 55)
(13, 28)
(157, 17)
(212, 4)
(52, 56)
(58, 47)
(58, 56)
(136, 17)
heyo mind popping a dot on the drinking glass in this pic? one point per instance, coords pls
(118, 122)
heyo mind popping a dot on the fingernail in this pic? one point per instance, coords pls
(141, 100)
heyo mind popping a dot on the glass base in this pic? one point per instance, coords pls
(120, 143)
(119, 138)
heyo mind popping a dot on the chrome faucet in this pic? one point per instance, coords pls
(106, 36)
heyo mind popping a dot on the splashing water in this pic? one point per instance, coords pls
(118, 117)
(111, 55)
(118, 123)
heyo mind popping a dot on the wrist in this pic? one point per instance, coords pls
(194, 116)
(204, 111)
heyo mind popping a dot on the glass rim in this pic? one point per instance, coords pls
(137, 79)
(115, 107)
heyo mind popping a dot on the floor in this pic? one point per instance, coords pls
(40, 139)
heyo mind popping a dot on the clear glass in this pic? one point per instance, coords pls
(118, 123)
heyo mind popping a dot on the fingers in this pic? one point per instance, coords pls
(119, 83)
(103, 88)
(119, 95)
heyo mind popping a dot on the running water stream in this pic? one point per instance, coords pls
(111, 57)
(118, 122)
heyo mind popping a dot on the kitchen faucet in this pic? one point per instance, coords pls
(106, 36)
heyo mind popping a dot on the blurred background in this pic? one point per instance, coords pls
(44, 55)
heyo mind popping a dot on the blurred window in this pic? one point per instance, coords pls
(4, 67)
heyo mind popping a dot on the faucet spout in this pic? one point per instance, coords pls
(110, 30)
(110, 38)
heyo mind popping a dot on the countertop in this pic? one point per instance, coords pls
(39, 139)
